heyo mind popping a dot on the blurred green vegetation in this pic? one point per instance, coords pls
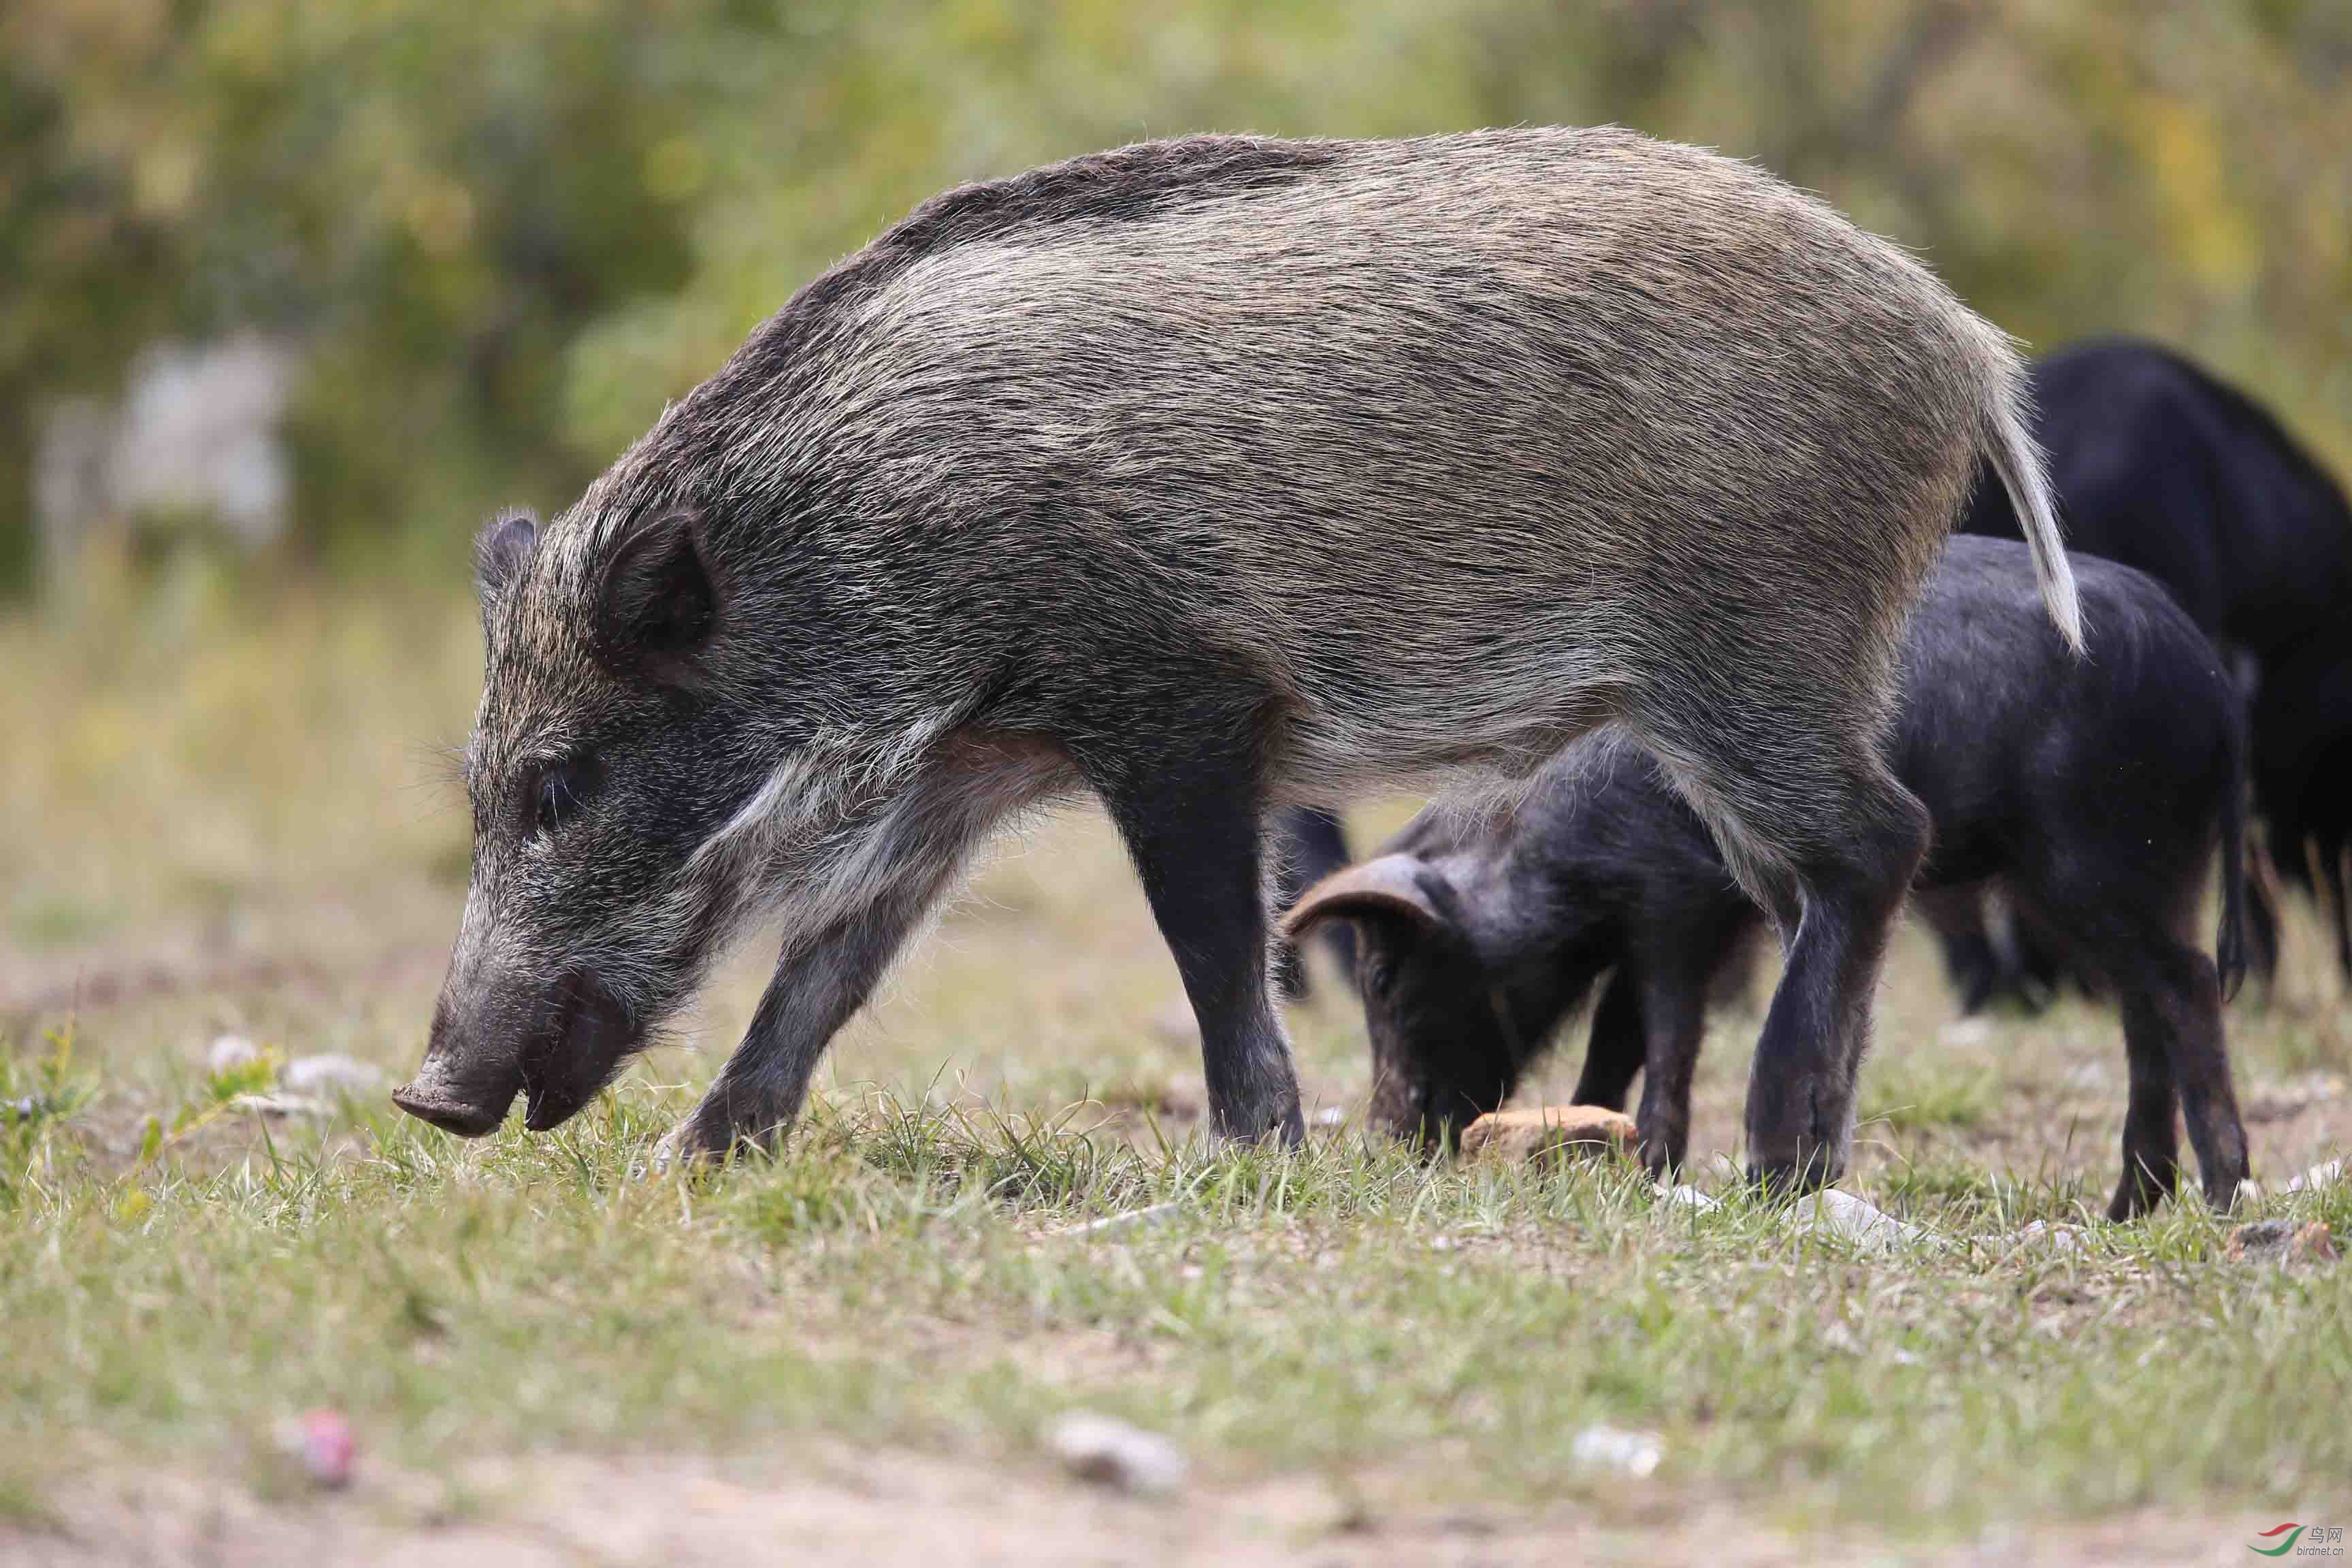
(503, 234)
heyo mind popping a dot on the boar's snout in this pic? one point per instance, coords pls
(557, 1048)
(432, 1100)
(466, 1084)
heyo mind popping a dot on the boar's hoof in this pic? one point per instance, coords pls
(680, 1150)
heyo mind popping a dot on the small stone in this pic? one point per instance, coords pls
(330, 1074)
(1549, 1134)
(1111, 1453)
(1687, 1198)
(1635, 1454)
(1330, 1116)
(322, 1440)
(230, 1051)
(2314, 1243)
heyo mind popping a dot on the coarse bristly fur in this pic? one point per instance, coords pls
(1209, 475)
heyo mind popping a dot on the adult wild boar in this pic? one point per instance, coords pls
(1211, 475)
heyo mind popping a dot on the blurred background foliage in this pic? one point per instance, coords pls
(500, 235)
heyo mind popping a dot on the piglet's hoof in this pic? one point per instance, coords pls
(1549, 1134)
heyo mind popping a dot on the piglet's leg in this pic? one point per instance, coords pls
(1673, 1007)
(2151, 1140)
(2188, 1001)
(1614, 1052)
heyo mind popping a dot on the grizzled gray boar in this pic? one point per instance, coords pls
(2093, 791)
(1213, 476)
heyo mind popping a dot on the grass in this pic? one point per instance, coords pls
(179, 1272)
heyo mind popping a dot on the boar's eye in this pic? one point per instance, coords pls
(559, 791)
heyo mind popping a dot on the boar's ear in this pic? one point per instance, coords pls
(505, 542)
(657, 602)
(1393, 884)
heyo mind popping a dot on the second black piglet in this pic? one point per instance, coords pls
(2093, 791)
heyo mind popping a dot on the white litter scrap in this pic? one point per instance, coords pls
(1634, 1453)
(1687, 1198)
(330, 1075)
(230, 1051)
(2055, 1238)
(2326, 1176)
(1843, 1215)
(1132, 1220)
(1111, 1453)
(283, 1105)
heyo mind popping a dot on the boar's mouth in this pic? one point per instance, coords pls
(589, 1035)
(568, 1045)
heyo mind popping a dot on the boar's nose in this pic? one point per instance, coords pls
(456, 1090)
(433, 1102)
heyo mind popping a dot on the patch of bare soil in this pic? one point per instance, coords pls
(832, 1505)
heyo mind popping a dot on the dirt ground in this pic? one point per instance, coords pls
(896, 1508)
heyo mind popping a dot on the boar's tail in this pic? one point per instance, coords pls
(2017, 458)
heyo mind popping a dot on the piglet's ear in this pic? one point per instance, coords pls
(657, 601)
(500, 550)
(1390, 885)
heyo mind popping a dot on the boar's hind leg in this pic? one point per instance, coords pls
(1192, 821)
(1822, 834)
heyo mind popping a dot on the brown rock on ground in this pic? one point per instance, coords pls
(1550, 1133)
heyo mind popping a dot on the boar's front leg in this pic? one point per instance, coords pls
(1190, 813)
(820, 982)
